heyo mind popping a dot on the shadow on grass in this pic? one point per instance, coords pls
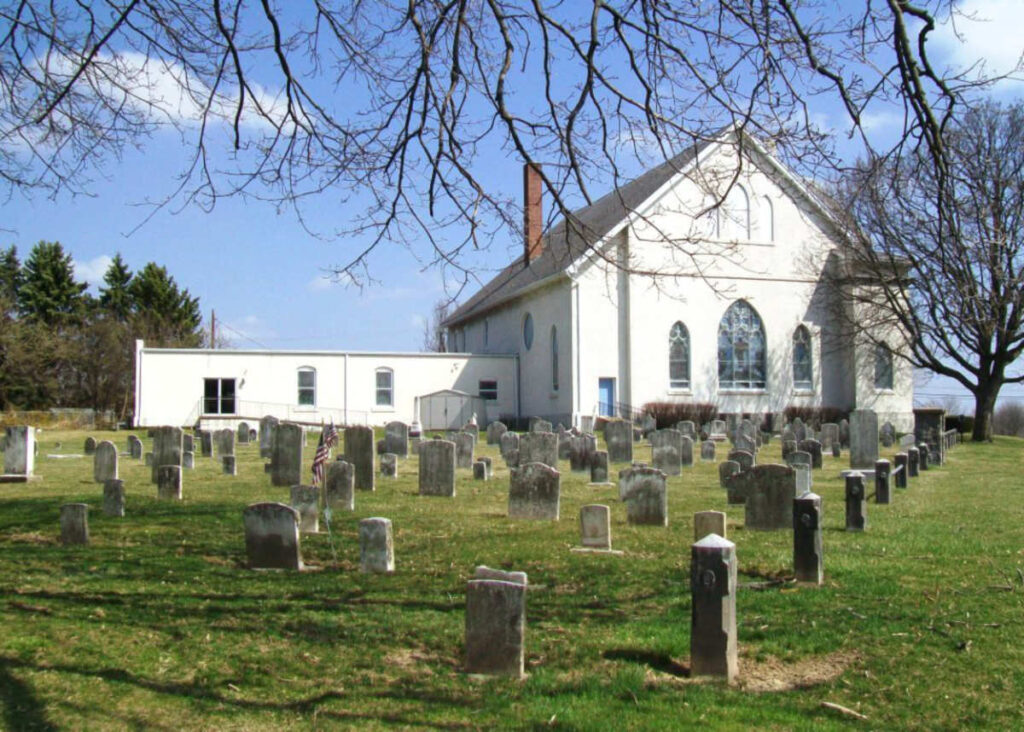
(658, 661)
(21, 709)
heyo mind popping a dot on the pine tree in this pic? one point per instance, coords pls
(165, 315)
(10, 280)
(48, 292)
(115, 296)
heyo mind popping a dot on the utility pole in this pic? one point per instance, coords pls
(213, 328)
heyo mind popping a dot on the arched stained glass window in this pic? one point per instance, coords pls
(679, 357)
(803, 369)
(883, 367)
(741, 348)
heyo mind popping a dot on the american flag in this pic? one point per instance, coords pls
(328, 439)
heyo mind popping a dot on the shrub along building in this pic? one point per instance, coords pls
(715, 277)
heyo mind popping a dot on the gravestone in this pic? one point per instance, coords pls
(688, 428)
(599, 467)
(887, 434)
(187, 442)
(581, 450)
(242, 433)
(89, 447)
(708, 522)
(464, 444)
(707, 450)
(359, 452)
(285, 454)
(148, 459)
(595, 527)
(167, 449)
(74, 524)
(836, 450)
(104, 462)
(534, 492)
(272, 536)
(539, 425)
(882, 481)
(788, 448)
(495, 627)
(564, 444)
(667, 451)
(618, 436)
(396, 438)
(807, 544)
(205, 443)
(908, 441)
(863, 439)
(856, 501)
(188, 460)
(512, 459)
(168, 482)
(725, 469)
(929, 426)
(788, 435)
(267, 426)
(494, 432)
(228, 465)
(768, 492)
(713, 649)
(539, 447)
(113, 498)
(376, 546)
(844, 434)
(830, 435)
(813, 448)
(508, 443)
(437, 468)
(742, 457)
(799, 429)
(339, 486)
(224, 442)
(135, 447)
(745, 442)
(923, 457)
(389, 465)
(913, 461)
(480, 470)
(305, 499)
(900, 470)
(646, 497)
(686, 452)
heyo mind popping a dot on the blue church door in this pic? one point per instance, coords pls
(606, 397)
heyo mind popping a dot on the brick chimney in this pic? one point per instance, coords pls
(533, 244)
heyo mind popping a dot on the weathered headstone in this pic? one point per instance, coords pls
(74, 524)
(272, 536)
(359, 452)
(396, 438)
(618, 436)
(646, 496)
(224, 442)
(900, 470)
(929, 426)
(480, 470)
(188, 460)
(168, 482)
(599, 467)
(707, 450)
(539, 447)
(579, 453)
(708, 522)
(768, 492)
(863, 439)
(376, 546)
(688, 428)
(539, 425)
(725, 469)
(887, 434)
(713, 600)
(807, 545)
(836, 450)
(389, 465)
(305, 499)
(205, 438)
(913, 462)
(923, 456)
(799, 429)
(167, 448)
(534, 492)
(743, 458)
(565, 439)
(188, 443)
(844, 433)
(882, 481)
(686, 451)
(104, 462)
(228, 465)
(286, 454)
(813, 448)
(148, 459)
(267, 426)
(242, 433)
(508, 443)
(464, 443)
(788, 448)
(667, 451)
(856, 501)
(88, 448)
(495, 627)
(135, 447)
(113, 498)
(339, 486)
(437, 468)
(494, 432)
(830, 435)
(745, 442)
(595, 527)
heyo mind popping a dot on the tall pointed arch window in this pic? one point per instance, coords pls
(741, 348)
(554, 359)
(803, 364)
(735, 221)
(769, 219)
(883, 367)
(678, 357)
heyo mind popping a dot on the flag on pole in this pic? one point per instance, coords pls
(328, 439)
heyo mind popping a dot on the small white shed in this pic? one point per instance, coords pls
(450, 409)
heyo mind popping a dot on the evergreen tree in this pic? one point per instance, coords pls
(115, 296)
(165, 315)
(10, 279)
(48, 292)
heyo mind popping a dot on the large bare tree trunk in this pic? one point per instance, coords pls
(984, 406)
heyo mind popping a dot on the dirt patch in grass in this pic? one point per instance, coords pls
(33, 537)
(773, 674)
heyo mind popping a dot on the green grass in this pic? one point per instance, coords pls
(158, 625)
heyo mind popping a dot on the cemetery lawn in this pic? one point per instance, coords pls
(158, 624)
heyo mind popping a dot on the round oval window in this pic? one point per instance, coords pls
(528, 331)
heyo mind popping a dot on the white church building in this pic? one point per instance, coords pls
(651, 293)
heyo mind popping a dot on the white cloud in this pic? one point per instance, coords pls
(320, 283)
(92, 272)
(983, 30)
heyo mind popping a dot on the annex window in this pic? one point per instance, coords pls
(554, 359)
(883, 367)
(678, 357)
(528, 331)
(218, 396)
(488, 389)
(307, 386)
(385, 388)
(741, 348)
(802, 360)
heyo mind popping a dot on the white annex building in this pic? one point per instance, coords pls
(652, 293)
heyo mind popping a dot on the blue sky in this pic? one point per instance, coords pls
(265, 276)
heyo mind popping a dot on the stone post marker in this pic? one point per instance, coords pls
(285, 454)
(359, 451)
(339, 487)
(856, 516)
(168, 482)
(376, 546)
(113, 498)
(883, 481)
(19, 446)
(913, 460)
(496, 625)
(272, 536)
(807, 546)
(599, 467)
(306, 500)
(74, 524)
(923, 456)
(708, 522)
(900, 471)
(713, 620)
(595, 527)
(437, 468)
